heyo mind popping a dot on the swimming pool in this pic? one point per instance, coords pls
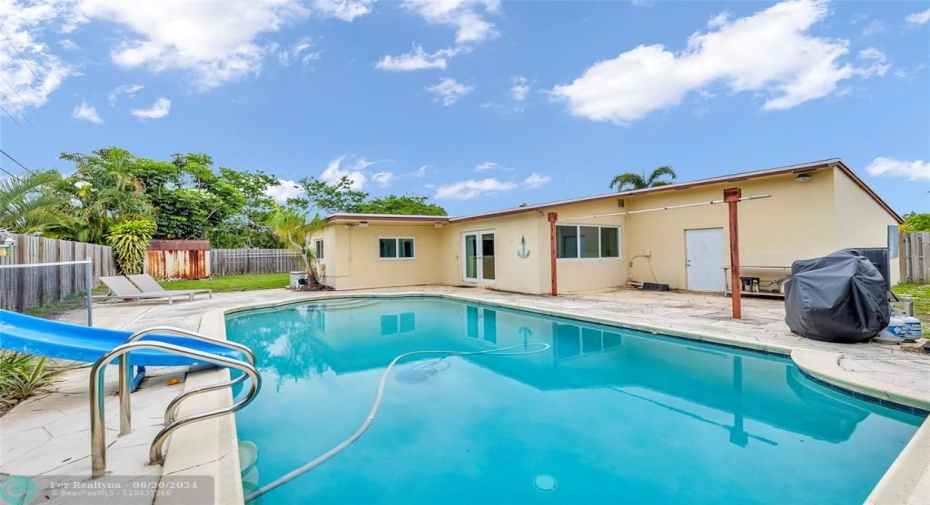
(605, 415)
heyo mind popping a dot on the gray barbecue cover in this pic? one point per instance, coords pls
(837, 298)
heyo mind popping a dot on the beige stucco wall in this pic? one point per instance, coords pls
(352, 260)
(512, 273)
(798, 221)
(865, 223)
(576, 275)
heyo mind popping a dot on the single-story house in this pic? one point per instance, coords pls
(676, 235)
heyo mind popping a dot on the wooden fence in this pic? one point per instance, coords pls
(254, 261)
(22, 288)
(915, 257)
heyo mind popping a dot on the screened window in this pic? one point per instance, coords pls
(319, 249)
(395, 248)
(587, 241)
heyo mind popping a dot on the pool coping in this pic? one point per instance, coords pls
(189, 453)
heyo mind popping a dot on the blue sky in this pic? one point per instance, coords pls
(480, 105)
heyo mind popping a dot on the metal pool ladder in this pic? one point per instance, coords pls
(97, 422)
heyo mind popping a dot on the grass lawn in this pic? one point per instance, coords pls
(232, 282)
(919, 293)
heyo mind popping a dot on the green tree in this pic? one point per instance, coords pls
(27, 205)
(402, 205)
(340, 198)
(102, 191)
(632, 180)
(915, 222)
(250, 226)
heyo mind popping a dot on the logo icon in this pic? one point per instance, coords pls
(18, 490)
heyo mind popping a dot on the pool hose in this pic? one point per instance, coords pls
(542, 347)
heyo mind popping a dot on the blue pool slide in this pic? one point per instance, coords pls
(53, 339)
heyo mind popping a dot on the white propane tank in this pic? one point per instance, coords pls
(912, 329)
(893, 333)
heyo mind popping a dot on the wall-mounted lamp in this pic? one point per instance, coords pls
(363, 224)
(802, 178)
(437, 225)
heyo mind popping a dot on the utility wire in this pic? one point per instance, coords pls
(7, 173)
(21, 127)
(22, 114)
(14, 161)
(19, 54)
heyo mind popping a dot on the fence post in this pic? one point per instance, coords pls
(90, 288)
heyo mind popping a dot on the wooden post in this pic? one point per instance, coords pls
(732, 196)
(553, 217)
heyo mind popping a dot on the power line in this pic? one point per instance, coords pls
(14, 161)
(18, 124)
(21, 113)
(33, 72)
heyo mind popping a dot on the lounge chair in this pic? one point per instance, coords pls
(147, 284)
(121, 288)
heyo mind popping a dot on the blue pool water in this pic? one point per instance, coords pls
(606, 415)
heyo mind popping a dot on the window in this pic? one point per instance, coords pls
(392, 324)
(319, 249)
(395, 248)
(587, 241)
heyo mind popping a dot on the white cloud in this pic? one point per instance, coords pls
(918, 18)
(420, 172)
(86, 112)
(383, 178)
(298, 52)
(464, 15)
(126, 89)
(417, 60)
(520, 88)
(911, 170)
(31, 71)
(354, 170)
(875, 27)
(487, 165)
(159, 109)
(797, 67)
(536, 180)
(449, 90)
(284, 190)
(464, 190)
(345, 10)
(213, 41)
(68, 44)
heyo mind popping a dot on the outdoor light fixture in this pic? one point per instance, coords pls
(363, 224)
(802, 178)
(437, 225)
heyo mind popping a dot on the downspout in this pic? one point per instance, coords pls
(553, 217)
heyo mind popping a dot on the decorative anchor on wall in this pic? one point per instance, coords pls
(523, 253)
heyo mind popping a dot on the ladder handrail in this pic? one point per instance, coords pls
(97, 417)
(125, 421)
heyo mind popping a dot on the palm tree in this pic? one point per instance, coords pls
(26, 204)
(296, 231)
(632, 180)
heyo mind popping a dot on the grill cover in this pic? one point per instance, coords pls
(840, 297)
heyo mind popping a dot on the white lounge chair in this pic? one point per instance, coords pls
(121, 288)
(147, 284)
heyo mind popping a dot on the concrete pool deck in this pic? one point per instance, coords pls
(49, 434)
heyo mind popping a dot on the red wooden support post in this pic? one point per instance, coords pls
(553, 217)
(732, 196)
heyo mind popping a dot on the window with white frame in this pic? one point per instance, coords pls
(584, 241)
(395, 248)
(318, 249)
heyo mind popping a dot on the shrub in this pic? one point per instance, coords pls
(129, 240)
(20, 376)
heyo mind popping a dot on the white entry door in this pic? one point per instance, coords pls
(705, 260)
(479, 256)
